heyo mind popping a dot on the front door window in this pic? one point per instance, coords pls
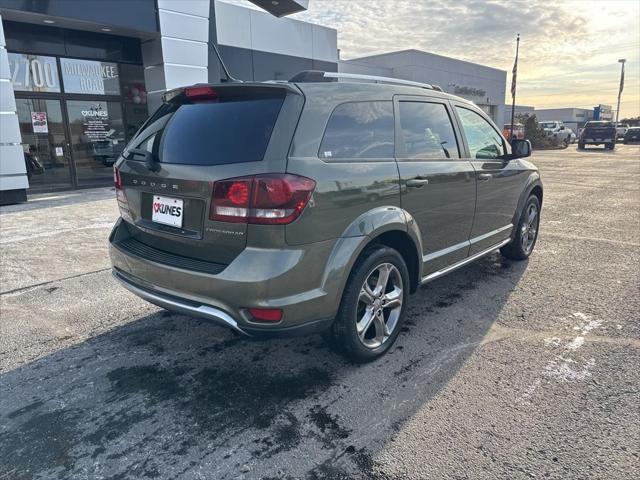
(485, 143)
(97, 138)
(44, 143)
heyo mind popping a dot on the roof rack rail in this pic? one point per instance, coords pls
(320, 76)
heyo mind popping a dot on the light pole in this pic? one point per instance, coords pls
(622, 60)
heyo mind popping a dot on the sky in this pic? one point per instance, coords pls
(569, 50)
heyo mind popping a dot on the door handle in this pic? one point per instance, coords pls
(417, 182)
(485, 177)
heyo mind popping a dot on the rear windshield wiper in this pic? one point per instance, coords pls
(150, 160)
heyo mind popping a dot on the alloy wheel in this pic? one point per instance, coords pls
(529, 228)
(379, 305)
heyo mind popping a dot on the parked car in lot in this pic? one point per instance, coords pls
(621, 129)
(598, 132)
(632, 135)
(232, 204)
(518, 131)
(558, 131)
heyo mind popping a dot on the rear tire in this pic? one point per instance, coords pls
(526, 235)
(580, 146)
(610, 146)
(369, 319)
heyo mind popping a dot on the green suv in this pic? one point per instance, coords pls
(315, 205)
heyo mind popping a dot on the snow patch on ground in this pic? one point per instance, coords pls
(568, 366)
(564, 366)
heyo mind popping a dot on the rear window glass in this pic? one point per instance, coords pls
(599, 124)
(211, 133)
(427, 131)
(359, 130)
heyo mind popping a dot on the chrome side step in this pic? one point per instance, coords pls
(462, 263)
(177, 305)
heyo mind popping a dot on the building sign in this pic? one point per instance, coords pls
(33, 73)
(95, 120)
(90, 77)
(469, 91)
(39, 122)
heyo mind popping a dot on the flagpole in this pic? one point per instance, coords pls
(513, 88)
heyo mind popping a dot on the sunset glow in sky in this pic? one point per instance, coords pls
(569, 50)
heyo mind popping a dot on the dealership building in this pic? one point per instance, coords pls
(77, 83)
(485, 86)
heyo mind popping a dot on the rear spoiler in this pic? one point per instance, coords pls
(221, 91)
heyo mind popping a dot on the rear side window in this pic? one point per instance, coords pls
(231, 131)
(427, 131)
(359, 130)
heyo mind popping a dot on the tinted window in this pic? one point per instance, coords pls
(211, 133)
(427, 131)
(484, 141)
(599, 124)
(359, 130)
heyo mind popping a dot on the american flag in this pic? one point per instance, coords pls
(514, 72)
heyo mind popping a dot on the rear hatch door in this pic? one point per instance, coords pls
(168, 170)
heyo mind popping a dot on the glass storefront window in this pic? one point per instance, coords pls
(33, 73)
(84, 153)
(97, 138)
(133, 86)
(90, 77)
(43, 142)
(135, 116)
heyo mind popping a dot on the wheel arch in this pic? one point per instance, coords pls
(390, 226)
(533, 186)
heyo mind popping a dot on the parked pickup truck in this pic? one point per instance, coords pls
(556, 129)
(598, 132)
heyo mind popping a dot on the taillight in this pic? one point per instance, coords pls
(230, 201)
(116, 178)
(271, 199)
(201, 93)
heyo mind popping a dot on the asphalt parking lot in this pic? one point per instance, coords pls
(504, 369)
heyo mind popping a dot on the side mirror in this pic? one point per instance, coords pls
(562, 127)
(520, 148)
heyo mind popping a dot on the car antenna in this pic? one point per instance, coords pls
(229, 78)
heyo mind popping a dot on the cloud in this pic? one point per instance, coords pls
(569, 49)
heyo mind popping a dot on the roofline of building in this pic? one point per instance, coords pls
(414, 50)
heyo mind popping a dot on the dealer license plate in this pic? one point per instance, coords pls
(168, 211)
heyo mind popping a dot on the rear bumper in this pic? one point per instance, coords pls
(176, 304)
(292, 280)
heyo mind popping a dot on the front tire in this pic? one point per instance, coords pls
(580, 146)
(526, 235)
(373, 305)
